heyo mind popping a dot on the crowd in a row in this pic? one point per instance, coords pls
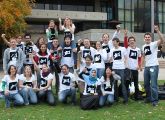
(31, 68)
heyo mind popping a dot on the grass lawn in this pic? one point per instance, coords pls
(133, 111)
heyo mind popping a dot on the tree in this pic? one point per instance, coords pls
(12, 16)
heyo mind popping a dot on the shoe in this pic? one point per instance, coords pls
(154, 104)
(125, 102)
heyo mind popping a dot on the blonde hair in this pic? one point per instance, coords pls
(27, 66)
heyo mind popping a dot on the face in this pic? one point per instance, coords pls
(67, 21)
(88, 61)
(64, 70)
(43, 48)
(55, 42)
(12, 70)
(67, 41)
(13, 43)
(132, 42)
(98, 45)
(86, 43)
(93, 73)
(51, 24)
(105, 38)
(41, 41)
(108, 72)
(147, 39)
(28, 70)
(27, 38)
(19, 39)
(45, 68)
(115, 43)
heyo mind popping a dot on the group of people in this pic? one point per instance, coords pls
(30, 69)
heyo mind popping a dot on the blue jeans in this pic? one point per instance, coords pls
(120, 72)
(49, 45)
(151, 88)
(108, 97)
(18, 100)
(100, 72)
(48, 94)
(28, 95)
(63, 95)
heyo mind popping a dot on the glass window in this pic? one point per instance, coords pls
(128, 26)
(121, 15)
(127, 15)
(81, 8)
(89, 8)
(160, 7)
(69, 7)
(39, 6)
(163, 6)
(127, 4)
(160, 17)
(121, 4)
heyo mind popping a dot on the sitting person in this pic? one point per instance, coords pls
(90, 98)
(107, 86)
(9, 85)
(67, 85)
(27, 86)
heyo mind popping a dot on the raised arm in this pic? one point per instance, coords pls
(161, 37)
(5, 40)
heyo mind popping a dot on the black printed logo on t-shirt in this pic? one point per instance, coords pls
(91, 89)
(66, 80)
(106, 47)
(133, 54)
(43, 82)
(68, 34)
(107, 88)
(43, 60)
(86, 52)
(55, 53)
(13, 55)
(97, 58)
(12, 86)
(67, 52)
(147, 50)
(30, 84)
(28, 49)
(20, 46)
(117, 55)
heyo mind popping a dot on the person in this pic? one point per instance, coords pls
(90, 97)
(13, 56)
(45, 83)
(151, 70)
(119, 57)
(51, 32)
(108, 87)
(10, 87)
(28, 86)
(40, 41)
(67, 54)
(67, 85)
(100, 57)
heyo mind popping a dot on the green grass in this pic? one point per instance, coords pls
(133, 111)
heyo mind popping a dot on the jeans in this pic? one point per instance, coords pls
(108, 97)
(49, 45)
(100, 72)
(135, 80)
(151, 74)
(28, 95)
(120, 72)
(63, 95)
(18, 100)
(48, 94)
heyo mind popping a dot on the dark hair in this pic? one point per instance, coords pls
(89, 56)
(37, 43)
(27, 34)
(105, 76)
(10, 69)
(116, 39)
(65, 65)
(40, 53)
(147, 33)
(131, 37)
(65, 39)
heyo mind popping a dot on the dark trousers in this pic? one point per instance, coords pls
(135, 74)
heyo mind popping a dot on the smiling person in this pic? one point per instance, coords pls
(151, 70)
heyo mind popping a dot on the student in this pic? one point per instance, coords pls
(151, 70)
(90, 98)
(13, 56)
(10, 87)
(119, 57)
(45, 83)
(28, 86)
(107, 86)
(67, 85)
(67, 54)
(51, 32)
(100, 57)
(40, 41)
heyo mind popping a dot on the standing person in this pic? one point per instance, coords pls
(10, 87)
(67, 85)
(151, 70)
(27, 86)
(99, 59)
(13, 56)
(51, 32)
(107, 86)
(119, 57)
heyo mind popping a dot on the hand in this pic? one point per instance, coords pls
(125, 32)
(31, 56)
(6, 92)
(53, 58)
(59, 20)
(3, 35)
(51, 51)
(74, 50)
(79, 41)
(59, 48)
(85, 69)
(156, 28)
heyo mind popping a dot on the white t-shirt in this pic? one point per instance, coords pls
(43, 60)
(67, 31)
(67, 57)
(132, 55)
(84, 52)
(118, 57)
(106, 87)
(21, 46)
(11, 85)
(44, 80)
(13, 56)
(27, 82)
(150, 52)
(66, 81)
(99, 58)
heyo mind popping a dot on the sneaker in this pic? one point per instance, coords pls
(154, 104)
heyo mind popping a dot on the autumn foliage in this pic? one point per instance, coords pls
(12, 16)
